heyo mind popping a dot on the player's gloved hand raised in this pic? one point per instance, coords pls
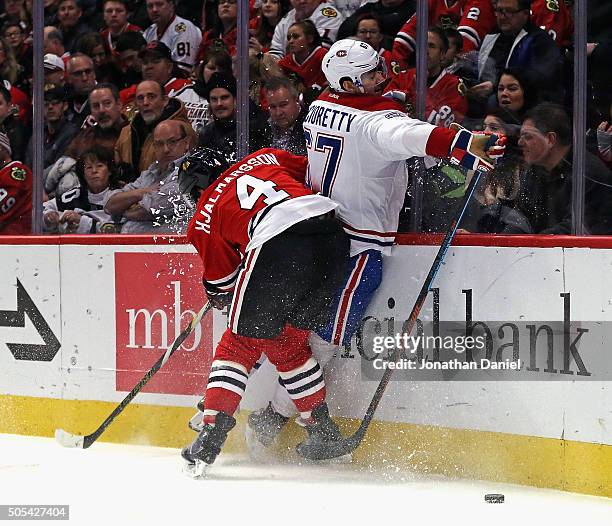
(219, 300)
(476, 150)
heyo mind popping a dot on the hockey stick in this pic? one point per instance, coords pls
(79, 441)
(346, 446)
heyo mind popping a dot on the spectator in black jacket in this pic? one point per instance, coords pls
(220, 134)
(58, 131)
(286, 116)
(545, 191)
(519, 44)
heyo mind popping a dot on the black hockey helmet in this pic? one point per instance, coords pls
(199, 169)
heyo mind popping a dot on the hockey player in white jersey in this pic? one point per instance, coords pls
(358, 142)
(179, 34)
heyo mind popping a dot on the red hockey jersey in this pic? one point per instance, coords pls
(15, 199)
(472, 18)
(554, 17)
(445, 102)
(309, 70)
(250, 203)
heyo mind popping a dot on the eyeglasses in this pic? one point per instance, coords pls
(82, 72)
(293, 36)
(368, 32)
(506, 11)
(13, 34)
(170, 143)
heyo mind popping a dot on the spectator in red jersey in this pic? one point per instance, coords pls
(392, 14)
(157, 65)
(304, 54)
(11, 126)
(473, 18)
(15, 193)
(116, 20)
(223, 30)
(554, 17)
(369, 30)
(445, 102)
(70, 22)
(262, 26)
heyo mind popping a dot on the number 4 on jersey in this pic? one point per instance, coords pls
(259, 187)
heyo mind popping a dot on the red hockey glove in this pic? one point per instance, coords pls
(476, 150)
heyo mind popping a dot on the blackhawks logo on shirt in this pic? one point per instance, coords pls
(180, 27)
(329, 12)
(553, 5)
(19, 174)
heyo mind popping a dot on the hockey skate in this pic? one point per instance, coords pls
(262, 429)
(206, 447)
(321, 430)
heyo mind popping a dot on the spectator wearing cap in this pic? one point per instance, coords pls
(116, 20)
(220, 134)
(55, 70)
(70, 22)
(16, 182)
(58, 130)
(11, 126)
(128, 49)
(81, 80)
(181, 36)
(135, 148)
(153, 201)
(157, 65)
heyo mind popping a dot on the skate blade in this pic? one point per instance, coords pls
(197, 470)
(196, 422)
(257, 451)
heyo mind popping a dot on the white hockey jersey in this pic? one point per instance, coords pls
(357, 145)
(182, 37)
(325, 17)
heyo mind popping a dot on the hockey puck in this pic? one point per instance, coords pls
(494, 498)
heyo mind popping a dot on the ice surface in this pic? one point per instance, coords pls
(119, 485)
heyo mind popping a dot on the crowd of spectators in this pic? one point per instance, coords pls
(131, 85)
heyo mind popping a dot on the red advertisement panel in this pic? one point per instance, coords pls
(156, 296)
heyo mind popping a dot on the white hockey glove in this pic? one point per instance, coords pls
(476, 150)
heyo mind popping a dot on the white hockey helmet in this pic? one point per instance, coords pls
(349, 59)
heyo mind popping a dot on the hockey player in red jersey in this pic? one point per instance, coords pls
(472, 18)
(445, 102)
(357, 142)
(273, 249)
(15, 193)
